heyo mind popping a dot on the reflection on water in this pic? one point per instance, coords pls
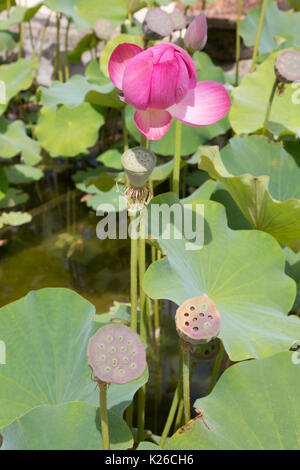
(60, 249)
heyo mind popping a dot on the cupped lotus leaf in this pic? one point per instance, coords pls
(19, 14)
(263, 180)
(70, 9)
(241, 271)
(254, 406)
(114, 11)
(108, 95)
(20, 174)
(250, 101)
(68, 426)
(276, 23)
(16, 77)
(206, 70)
(15, 218)
(71, 93)
(112, 44)
(69, 131)
(292, 268)
(192, 137)
(14, 141)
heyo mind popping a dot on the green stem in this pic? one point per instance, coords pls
(8, 5)
(21, 31)
(143, 141)
(156, 255)
(216, 368)
(258, 35)
(178, 421)
(67, 70)
(58, 54)
(177, 155)
(104, 417)
(203, 5)
(238, 42)
(31, 40)
(171, 414)
(269, 107)
(43, 36)
(143, 319)
(186, 385)
(125, 132)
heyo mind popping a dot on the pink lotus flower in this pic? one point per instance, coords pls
(195, 37)
(161, 82)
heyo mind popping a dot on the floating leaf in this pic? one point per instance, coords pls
(111, 159)
(250, 101)
(114, 10)
(7, 41)
(276, 23)
(19, 174)
(18, 15)
(254, 406)
(13, 198)
(14, 141)
(14, 218)
(70, 131)
(241, 271)
(263, 179)
(70, 9)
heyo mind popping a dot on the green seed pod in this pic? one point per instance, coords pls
(138, 164)
(198, 320)
(287, 66)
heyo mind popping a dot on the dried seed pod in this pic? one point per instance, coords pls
(116, 354)
(198, 320)
(287, 66)
(178, 20)
(157, 24)
(206, 351)
(104, 29)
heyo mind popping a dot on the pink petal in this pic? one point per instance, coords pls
(153, 123)
(182, 84)
(137, 80)
(204, 105)
(163, 87)
(190, 65)
(118, 61)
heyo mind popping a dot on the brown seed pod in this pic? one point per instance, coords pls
(198, 320)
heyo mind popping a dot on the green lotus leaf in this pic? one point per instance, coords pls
(111, 159)
(16, 76)
(14, 218)
(241, 271)
(109, 96)
(295, 4)
(148, 446)
(20, 174)
(13, 197)
(250, 101)
(255, 405)
(206, 70)
(202, 193)
(87, 43)
(263, 180)
(70, 9)
(192, 137)
(71, 93)
(7, 41)
(292, 268)
(70, 131)
(90, 12)
(112, 44)
(68, 426)
(3, 4)
(14, 141)
(18, 15)
(54, 326)
(276, 23)
(113, 197)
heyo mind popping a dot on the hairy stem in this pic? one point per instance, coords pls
(104, 416)
(58, 54)
(269, 107)
(186, 385)
(258, 34)
(67, 70)
(238, 42)
(177, 155)
(216, 368)
(171, 414)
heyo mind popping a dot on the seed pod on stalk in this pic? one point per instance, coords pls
(287, 66)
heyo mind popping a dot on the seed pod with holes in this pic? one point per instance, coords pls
(287, 66)
(116, 354)
(157, 24)
(138, 163)
(198, 320)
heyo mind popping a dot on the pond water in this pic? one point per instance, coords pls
(59, 248)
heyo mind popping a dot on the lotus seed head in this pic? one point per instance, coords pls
(117, 343)
(287, 66)
(198, 320)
